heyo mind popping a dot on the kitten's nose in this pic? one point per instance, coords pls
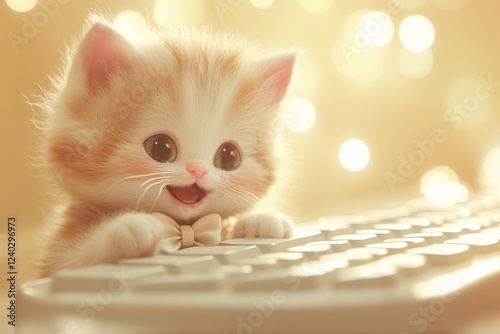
(197, 169)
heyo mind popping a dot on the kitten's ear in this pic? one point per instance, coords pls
(278, 70)
(101, 52)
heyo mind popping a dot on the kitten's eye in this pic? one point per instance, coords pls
(227, 157)
(161, 148)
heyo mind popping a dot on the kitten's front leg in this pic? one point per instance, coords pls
(128, 235)
(132, 235)
(124, 236)
(263, 225)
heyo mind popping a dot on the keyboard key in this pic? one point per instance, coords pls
(448, 232)
(492, 231)
(479, 236)
(329, 262)
(261, 262)
(358, 240)
(429, 237)
(163, 282)
(478, 245)
(407, 264)
(411, 242)
(335, 245)
(376, 274)
(231, 271)
(443, 254)
(329, 232)
(266, 280)
(324, 265)
(397, 229)
(108, 277)
(307, 275)
(392, 247)
(311, 274)
(224, 254)
(381, 234)
(353, 258)
(470, 224)
(174, 263)
(285, 259)
(464, 228)
(326, 227)
(415, 221)
(311, 250)
(268, 245)
(375, 252)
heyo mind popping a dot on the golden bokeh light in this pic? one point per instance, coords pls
(416, 33)
(130, 23)
(354, 155)
(376, 28)
(298, 114)
(21, 5)
(441, 187)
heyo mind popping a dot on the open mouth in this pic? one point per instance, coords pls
(189, 195)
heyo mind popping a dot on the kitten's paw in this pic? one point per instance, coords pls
(263, 225)
(136, 235)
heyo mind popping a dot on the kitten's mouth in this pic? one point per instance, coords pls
(189, 195)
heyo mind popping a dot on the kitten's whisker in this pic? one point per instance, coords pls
(165, 173)
(223, 189)
(146, 190)
(245, 192)
(166, 178)
(158, 196)
(237, 194)
(233, 198)
(231, 189)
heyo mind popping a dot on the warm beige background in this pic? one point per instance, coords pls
(389, 114)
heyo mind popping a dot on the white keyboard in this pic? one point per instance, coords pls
(410, 268)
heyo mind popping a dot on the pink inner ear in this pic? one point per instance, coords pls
(103, 54)
(280, 73)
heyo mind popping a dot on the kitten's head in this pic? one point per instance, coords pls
(180, 122)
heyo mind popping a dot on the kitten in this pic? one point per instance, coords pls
(180, 122)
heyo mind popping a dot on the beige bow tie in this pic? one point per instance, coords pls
(206, 231)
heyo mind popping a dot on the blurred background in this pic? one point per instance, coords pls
(391, 99)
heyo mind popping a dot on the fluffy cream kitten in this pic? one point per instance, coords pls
(179, 122)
